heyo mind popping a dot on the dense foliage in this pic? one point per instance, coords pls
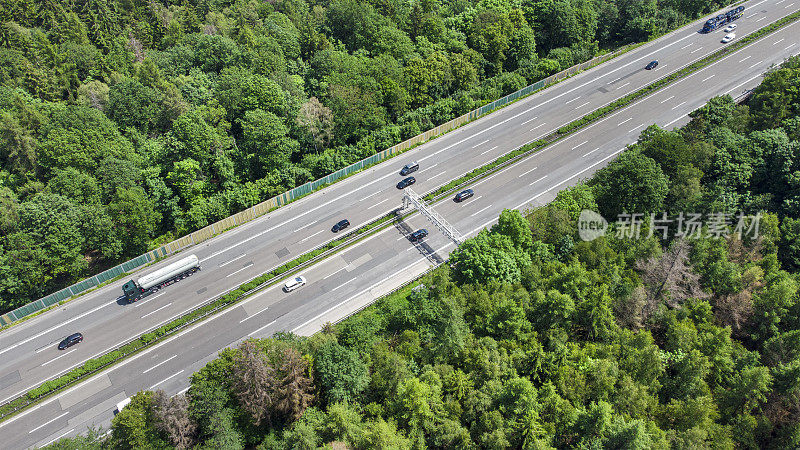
(533, 338)
(128, 123)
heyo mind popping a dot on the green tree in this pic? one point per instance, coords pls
(81, 188)
(340, 373)
(81, 138)
(418, 404)
(790, 242)
(490, 34)
(265, 141)
(381, 434)
(55, 225)
(775, 101)
(19, 145)
(239, 90)
(133, 427)
(489, 257)
(512, 224)
(134, 219)
(633, 183)
(200, 134)
(187, 178)
(92, 441)
(356, 112)
(132, 104)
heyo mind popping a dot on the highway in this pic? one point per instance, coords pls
(362, 273)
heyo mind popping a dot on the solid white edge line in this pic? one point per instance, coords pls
(42, 333)
(68, 432)
(201, 323)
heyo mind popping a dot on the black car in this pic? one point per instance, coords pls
(70, 340)
(418, 235)
(340, 225)
(408, 168)
(463, 195)
(652, 65)
(406, 182)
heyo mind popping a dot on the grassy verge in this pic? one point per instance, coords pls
(267, 279)
(598, 114)
(94, 365)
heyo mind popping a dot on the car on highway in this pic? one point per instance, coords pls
(294, 283)
(121, 405)
(729, 28)
(463, 195)
(70, 340)
(408, 168)
(728, 38)
(418, 235)
(406, 182)
(651, 65)
(340, 225)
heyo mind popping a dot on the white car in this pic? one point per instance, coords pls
(729, 28)
(728, 38)
(294, 283)
(122, 405)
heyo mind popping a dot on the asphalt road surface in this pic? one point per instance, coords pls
(355, 277)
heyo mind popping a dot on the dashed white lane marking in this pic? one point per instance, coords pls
(232, 260)
(48, 422)
(162, 362)
(678, 105)
(538, 180)
(243, 268)
(159, 309)
(165, 379)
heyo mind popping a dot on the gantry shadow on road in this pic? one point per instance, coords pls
(422, 247)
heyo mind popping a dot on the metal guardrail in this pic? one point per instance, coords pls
(263, 208)
(348, 239)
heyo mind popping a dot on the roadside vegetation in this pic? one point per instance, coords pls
(125, 124)
(533, 338)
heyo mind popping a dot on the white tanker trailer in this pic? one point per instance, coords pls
(134, 290)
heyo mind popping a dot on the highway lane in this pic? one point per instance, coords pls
(27, 352)
(348, 281)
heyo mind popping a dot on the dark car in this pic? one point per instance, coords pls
(340, 225)
(463, 195)
(418, 235)
(406, 182)
(70, 340)
(408, 168)
(652, 65)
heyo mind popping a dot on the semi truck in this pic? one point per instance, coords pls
(146, 285)
(722, 19)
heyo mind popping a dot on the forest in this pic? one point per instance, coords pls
(531, 338)
(125, 124)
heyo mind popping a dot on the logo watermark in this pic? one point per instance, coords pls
(592, 225)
